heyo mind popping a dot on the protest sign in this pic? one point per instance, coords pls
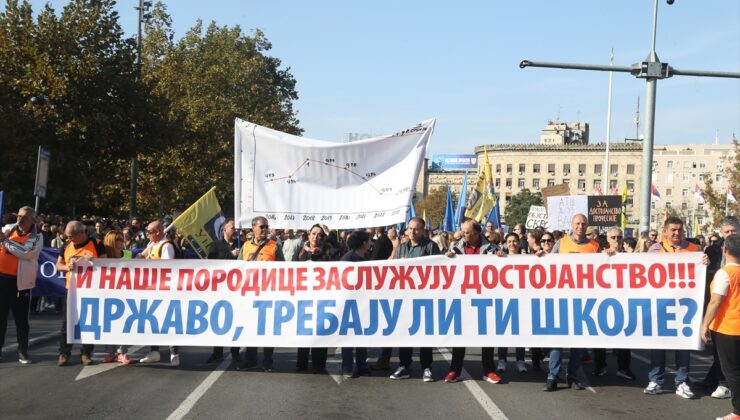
(537, 217)
(576, 300)
(604, 210)
(561, 209)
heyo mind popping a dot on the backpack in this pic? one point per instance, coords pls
(178, 250)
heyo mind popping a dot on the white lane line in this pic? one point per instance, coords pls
(483, 399)
(667, 369)
(334, 367)
(88, 371)
(31, 342)
(201, 390)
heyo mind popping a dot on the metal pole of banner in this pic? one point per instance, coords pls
(652, 70)
(608, 124)
(143, 16)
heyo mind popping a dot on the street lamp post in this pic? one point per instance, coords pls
(651, 70)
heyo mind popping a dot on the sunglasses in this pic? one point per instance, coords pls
(149, 232)
(615, 237)
(263, 226)
(545, 241)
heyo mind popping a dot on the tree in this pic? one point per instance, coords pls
(435, 203)
(517, 208)
(717, 201)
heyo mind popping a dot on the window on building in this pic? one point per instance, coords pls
(702, 165)
(720, 165)
(508, 182)
(693, 165)
(498, 169)
(566, 169)
(566, 181)
(581, 169)
(631, 186)
(522, 168)
(630, 201)
(551, 168)
(536, 168)
(520, 183)
(685, 178)
(550, 182)
(614, 169)
(613, 184)
(582, 184)
(700, 207)
(597, 183)
(508, 197)
(652, 205)
(667, 204)
(669, 191)
(597, 169)
(536, 183)
(508, 168)
(685, 192)
(631, 169)
(718, 177)
(669, 164)
(684, 206)
(498, 182)
(686, 164)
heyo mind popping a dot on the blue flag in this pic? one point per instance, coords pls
(460, 209)
(495, 215)
(449, 221)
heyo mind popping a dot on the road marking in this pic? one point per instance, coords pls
(334, 367)
(32, 341)
(198, 392)
(88, 371)
(483, 399)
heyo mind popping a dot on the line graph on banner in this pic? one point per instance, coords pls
(348, 168)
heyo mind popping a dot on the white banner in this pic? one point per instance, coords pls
(575, 300)
(297, 182)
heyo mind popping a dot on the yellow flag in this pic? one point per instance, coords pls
(483, 197)
(201, 224)
(624, 207)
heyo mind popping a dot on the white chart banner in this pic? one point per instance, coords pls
(297, 182)
(574, 300)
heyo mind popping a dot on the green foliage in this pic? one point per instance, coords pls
(178, 117)
(434, 203)
(517, 208)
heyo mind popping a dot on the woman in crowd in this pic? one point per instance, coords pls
(317, 248)
(359, 243)
(533, 240)
(630, 244)
(547, 242)
(114, 248)
(512, 248)
(643, 243)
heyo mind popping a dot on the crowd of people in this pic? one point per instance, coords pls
(25, 234)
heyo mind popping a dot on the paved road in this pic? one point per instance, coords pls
(213, 391)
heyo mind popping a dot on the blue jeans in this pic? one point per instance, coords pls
(555, 361)
(360, 356)
(657, 366)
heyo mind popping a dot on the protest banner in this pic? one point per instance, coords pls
(537, 217)
(560, 210)
(294, 181)
(576, 300)
(604, 210)
(554, 191)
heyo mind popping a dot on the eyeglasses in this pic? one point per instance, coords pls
(263, 226)
(149, 232)
(546, 241)
(652, 235)
(616, 237)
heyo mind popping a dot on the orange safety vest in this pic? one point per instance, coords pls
(267, 253)
(567, 246)
(666, 247)
(727, 320)
(88, 250)
(8, 261)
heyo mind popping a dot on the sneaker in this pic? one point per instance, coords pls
(452, 377)
(722, 392)
(174, 360)
(427, 376)
(551, 385)
(151, 357)
(653, 389)
(626, 374)
(123, 358)
(109, 358)
(599, 372)
(520, 366)
(401, 373)
(348, 374)
(492, 378)
(25, 360)
(501, 367)
(86, 360)
(63, 360)
(684, 391)
(215, 358)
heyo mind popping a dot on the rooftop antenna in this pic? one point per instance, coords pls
(716, 137)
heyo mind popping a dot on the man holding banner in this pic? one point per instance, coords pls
(418, 245)
(576, 242)
(260, 249)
